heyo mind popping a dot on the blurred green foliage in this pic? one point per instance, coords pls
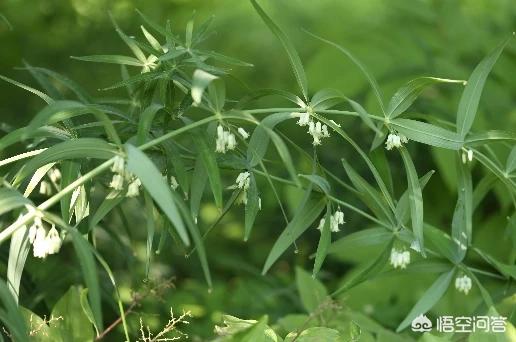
(398, 40)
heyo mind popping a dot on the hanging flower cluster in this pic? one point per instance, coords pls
(467, 156)
(225, 140)
(400, 258)
(315, 128)
(121, 176)
(395, 139)
(463, 284)
(44, 243)
(243, 181)
(336, 220)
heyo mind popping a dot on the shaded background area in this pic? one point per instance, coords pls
(398, 40)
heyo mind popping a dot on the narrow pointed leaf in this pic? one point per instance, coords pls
(428, 134)
(293, 57)
(470, 98)
(143, 168)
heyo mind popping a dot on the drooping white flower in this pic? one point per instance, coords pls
(243, 133)
(304, 119)
(467, 156)
(33, 229)
(45, 188)
(463, 284)
(336, 220)
(395, 140)
(133, 190)
(317, 131)
(399, 258)
(414, 245)
(54, 174)
(243, 181)
(118, 165)
(40, 244)
(225, 140)
(53, 241)
(117, 182)
(173, 183)
(150, 64)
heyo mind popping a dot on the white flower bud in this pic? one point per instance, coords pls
(463, 284)
(117, 182)
(173, 183)
(243, 133)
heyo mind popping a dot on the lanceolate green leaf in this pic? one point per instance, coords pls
(312, 291)
(71, 149)
(361, 238)
(145, 123)
(415, 198)
(293, 57)
(199, 180)
(428, 134)
(11, 199)
(368, 75)
(429, 299)
(511, 161)
(372, 168)
(36, 92)
(407, 94)
(252, 206)
(368, 271)
(364, 115)
(463, 230)
(369, 195)
(11, 315)
(319, 181)
(468, 104)
(209, 160)
(18, 251)
(114, 59)
(141, 166)
(403, 204)
(149, 212)
(110, 201)
(324, 243)
(305, 215)
(489, 137)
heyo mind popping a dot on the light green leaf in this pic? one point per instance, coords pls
(428, 134)
(403, 204)
(113, 59)
(260, 138)
(199, 180)
(470, 98)
(369, 195)
(429, 298)
(319, 181)
(149, 213)
(69, 173)
(364, 115)
(367, 74)
(252, 206)
(86, 309)
(11, 199)
(74, 325)
(293, 57)
(312, 291)
(326, 98)
(369, 271)
(361, 238)
(305, 215)
(209, 160)
(511, 161)
(11, 315)
(315, 334)
(71, 149)
(415, 198)
(441, 242)
(324, 242)
(152, 179)
(18, 251)
(36, 178)
(112, 199)
(407, 94)
(36, 92)
(475, 139)
(145, 124)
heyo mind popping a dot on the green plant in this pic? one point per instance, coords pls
(175, 133)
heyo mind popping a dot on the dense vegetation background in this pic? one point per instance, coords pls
(398, 40)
